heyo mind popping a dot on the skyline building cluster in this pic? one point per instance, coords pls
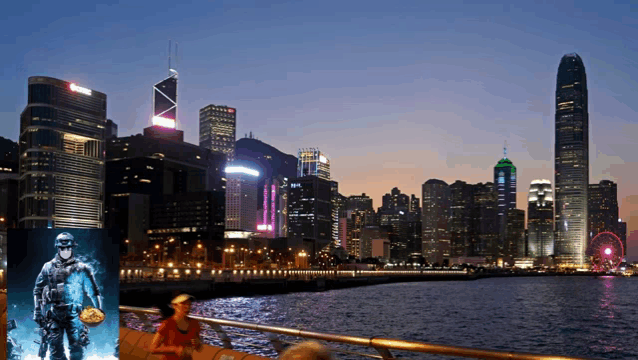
(169, 197)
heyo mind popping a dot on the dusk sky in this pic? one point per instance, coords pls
(395, 92)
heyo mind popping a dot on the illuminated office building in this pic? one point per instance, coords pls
(310, 213)
(241, 197)
(164, 117)
(394, 216)
(337, 207)
(514, 234)
(485, 227)
(62, 156)
(603, 208)
(461, 206)
(313, 162)
(217, 125)
(165, 101)
(505, 185)
(571, 162)
(540, 219)
(435, 214)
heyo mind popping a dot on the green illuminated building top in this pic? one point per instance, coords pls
(506, 163)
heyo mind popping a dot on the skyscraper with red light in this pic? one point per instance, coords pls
(62, 156)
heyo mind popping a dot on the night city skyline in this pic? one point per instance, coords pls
(394, 96)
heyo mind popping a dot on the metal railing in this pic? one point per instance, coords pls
(383, 346)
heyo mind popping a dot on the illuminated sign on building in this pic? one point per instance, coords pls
(265, 203)
(272, 207)
(264, 227)
(241, 170)
(323, 159)
(295, 186)
(80, 89)
(231, 110)
(163, 122)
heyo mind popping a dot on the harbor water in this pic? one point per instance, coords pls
(570, 316)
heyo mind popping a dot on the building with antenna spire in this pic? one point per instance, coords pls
(505, 186)
(164, 117)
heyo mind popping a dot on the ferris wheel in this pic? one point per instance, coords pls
(606, 251)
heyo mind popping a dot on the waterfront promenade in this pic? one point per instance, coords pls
(150, 284)
(145, 286)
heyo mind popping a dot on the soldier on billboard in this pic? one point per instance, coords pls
(59, 295)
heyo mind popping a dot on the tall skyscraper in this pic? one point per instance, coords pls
(312, 162)
(62, 156)
(217, 125)
(241, 197)
(571, 161)
(485, 230)
(461, 205)
(165, 100)
(335, 198)
(540, 219)
(603, 208)
(394, 216)
(435, 214)
(505, 185)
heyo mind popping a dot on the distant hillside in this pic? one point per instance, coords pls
(8, 149)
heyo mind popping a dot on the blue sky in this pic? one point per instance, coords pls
(395, 92)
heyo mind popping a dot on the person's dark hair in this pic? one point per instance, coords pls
(166, 310)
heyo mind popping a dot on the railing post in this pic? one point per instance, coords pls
(276, 343)
(385, 353)
(222, 336)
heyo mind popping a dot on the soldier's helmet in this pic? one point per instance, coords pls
(65, 239)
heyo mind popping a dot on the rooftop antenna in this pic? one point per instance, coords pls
(169, 57)
(176, 57)
(505, 150)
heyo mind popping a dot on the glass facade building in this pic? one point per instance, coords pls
(165, 102)
(241, 197)
(436, 214)
(62, 156)
(540, 223)
(310, 211)
(571, 162)
(217, 127)
(505, 185)
(603, 208)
